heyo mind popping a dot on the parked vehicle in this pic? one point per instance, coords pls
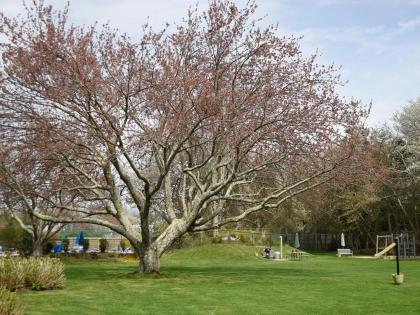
(76, 249)
(119, 250)
(92, 250)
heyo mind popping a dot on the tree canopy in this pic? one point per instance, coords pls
(172, 129)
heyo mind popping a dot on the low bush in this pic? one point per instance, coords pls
(9, 304)
(216, 240)
(36, 273)
(12, 275)
(44, 273)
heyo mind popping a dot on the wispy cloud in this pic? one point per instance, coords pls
(410, 24)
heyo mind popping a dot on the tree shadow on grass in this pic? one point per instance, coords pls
(110, 273)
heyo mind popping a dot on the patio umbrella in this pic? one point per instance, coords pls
(297, 244)
(343, 242)
(81, 239)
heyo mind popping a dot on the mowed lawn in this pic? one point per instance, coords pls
(229, 279)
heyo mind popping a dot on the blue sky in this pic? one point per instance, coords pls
(376, 42)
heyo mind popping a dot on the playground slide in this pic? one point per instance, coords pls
(386, 249)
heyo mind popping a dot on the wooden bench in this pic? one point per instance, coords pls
(344, 251)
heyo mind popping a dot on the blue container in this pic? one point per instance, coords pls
(57, 247)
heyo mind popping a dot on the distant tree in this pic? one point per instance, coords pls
(103, 245)
(407, 122)
(384, 194)
(172, 128)
(13, 236)
(404, 165)
(66, 244)
(86, 244)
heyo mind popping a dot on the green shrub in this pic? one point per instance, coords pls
(12, 275)
(8, 303)
(86, 244)
(103, 245)
(44, 273)
(242, 238)
(65, 244)
(216, 240)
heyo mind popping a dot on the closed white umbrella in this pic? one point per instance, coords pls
(343, 242)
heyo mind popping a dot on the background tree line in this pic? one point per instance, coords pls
(381, 194)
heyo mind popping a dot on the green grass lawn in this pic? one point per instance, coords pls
(229, 279)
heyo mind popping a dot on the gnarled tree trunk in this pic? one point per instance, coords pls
(149, 261)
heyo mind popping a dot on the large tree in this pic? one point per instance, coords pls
(173, 129)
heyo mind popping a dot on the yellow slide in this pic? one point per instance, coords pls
(386, 249)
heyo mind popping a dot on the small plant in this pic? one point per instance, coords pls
(9, 304)
(85, 244)
(12, 274)
(65, 244)
(216, 240)
(44, 273)
(103, 245)
(124, 244)
(242, 238)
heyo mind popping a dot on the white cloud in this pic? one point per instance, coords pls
(410, 24)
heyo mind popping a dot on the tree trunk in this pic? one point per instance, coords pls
(389, 222)
(149, 261)
(150, 252)
(37, 250)
(215, 222)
